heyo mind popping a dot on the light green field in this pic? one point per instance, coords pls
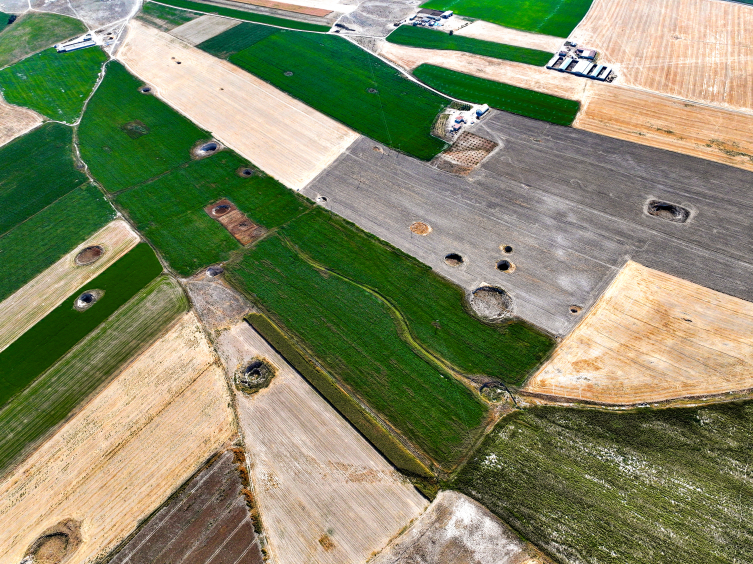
(54, 84)
(33, 32)
(48, 401)
(649, 486)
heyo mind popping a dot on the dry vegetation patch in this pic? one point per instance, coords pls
(40, 296)
(487, 31)
(458, 530)
(324, 493)
(125, 452)
(284, 137)
(653, 337)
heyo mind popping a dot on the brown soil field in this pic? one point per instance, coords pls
(487, 31)
(653, 337)
(218, 306)
(465, 154)
(15, 121)
(325, 495)
(208, 520)
(524, 76)
(29, 304)
(238, 225)
(125, 452)
(693, 49)
(282, 136)
(458, 530)
(716, 134)
(203, 28)
(309, 11)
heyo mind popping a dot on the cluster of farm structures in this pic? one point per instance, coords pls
(334, 281)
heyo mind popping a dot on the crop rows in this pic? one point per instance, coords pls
(33, 32)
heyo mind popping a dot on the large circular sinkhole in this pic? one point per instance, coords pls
(87, 299)
(453, 259)
(56, 544)
(505, 266)
(255, 375)
(220, 210)
(89, 255)
(491, 303)
(665, 210)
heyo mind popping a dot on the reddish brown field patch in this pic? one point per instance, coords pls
(465, 154)
(238, 225)
(319, 12)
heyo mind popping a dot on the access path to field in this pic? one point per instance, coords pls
(281, 135)
(324, 493)
(653, 337)
(568, 202)
(119, 458)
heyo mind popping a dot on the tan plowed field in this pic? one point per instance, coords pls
(123, 454)
(15, 121)
(456, 529)
(203, 28)
(285, 138)
(307, 10)
(325, 495)
(653, 337)
(28, 305)
(487, 31)
(694, 49)
(716, 134)
(518, 74)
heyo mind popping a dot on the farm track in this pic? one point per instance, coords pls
(45, 292)
(59, 392)
(125, 452)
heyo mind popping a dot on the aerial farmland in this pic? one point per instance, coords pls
(367, 282)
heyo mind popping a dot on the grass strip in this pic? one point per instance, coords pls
(415, 36)
(165, 18)
(127, 137)
(48, 401)
(35, 171)
(42, 345)
(349, 84)
(53, 84)
(349, 408)
(647, 486)
(498, 95)
(246, 16)
(549, 17)
(33, 32)
(36, 244)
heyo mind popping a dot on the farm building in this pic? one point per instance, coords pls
(75, 44)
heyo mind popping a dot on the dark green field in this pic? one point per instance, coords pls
(163, 17)
(36, 170)
(415, 36)
(549, 17)
(40, 407)
(31, 247)
(246, 16)
(42, 345)
(170, 210)
(236, 39)
(54, 84)
(501, 96)
(652, 487)
(343, 81)
(33, 32)
(127, 137)
(4, 19)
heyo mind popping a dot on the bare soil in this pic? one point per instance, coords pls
(486, 31)
(420, 228)
(491, 303)
(465, 154)
(203, 28)
(15, 121)
(89, 255)
(238, 225)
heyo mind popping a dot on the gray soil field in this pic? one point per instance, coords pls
(571, 204)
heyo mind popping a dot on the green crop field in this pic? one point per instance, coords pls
(549, 17)
(4, 19)
(342, 80)
(31, 247)
(164, 17)
(42, 345)
(498, 95)
(36, 170)
(415, 36)
(355, 337)
(170, 210)
(652, 487)
(236, 39)
(127, 137)
(48, 401)
(33, 32)
(246, 16)
(54, 84)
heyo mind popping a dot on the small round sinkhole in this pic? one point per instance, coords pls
(288, 73)
(247, 172)
(222, 209)
(453, 259)
(668, 211)
(87, 299)
(213, 271)
(574, 309)
(507, 249)
(145, 89)
(372, 91)
(209, 147)
(505, 266)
